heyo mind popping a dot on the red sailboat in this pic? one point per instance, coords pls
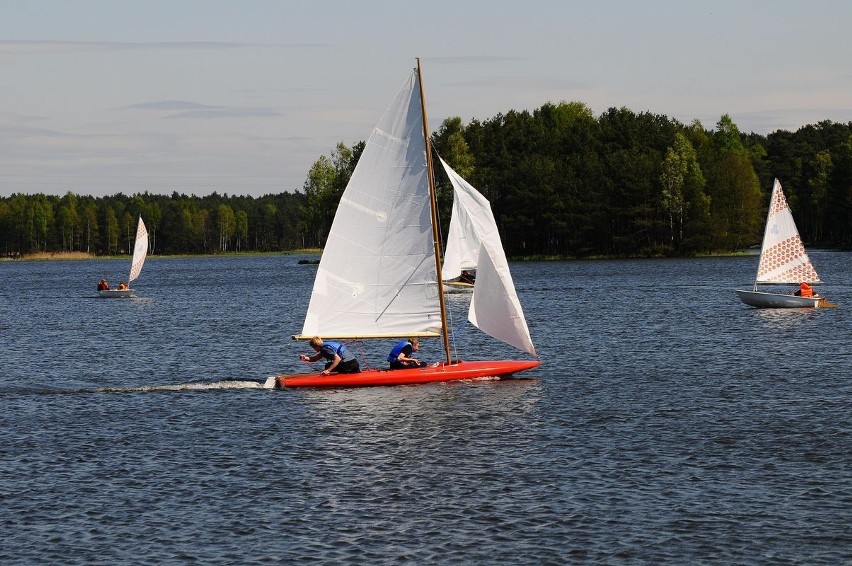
(380, 272)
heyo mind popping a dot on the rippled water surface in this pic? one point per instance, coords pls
(668, 424)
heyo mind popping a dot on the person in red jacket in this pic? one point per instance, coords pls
(805, 290)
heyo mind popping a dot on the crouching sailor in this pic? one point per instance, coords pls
(338, 357)
(400, 356)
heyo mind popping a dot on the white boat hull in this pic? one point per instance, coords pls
(457, 287)
(763, 300)
(116, 293)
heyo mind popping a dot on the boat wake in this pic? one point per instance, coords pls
(268, 383)
(264, 383)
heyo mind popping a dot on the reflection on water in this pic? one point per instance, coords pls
(786, 318)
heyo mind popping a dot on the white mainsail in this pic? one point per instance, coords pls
(782, 257)
(494, 307)
(140, 250)
(377, 276)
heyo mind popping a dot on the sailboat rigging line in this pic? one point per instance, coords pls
(394, 298)
(361, 354)
(436, 240)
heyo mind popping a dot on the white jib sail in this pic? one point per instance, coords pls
(377, 275)
(140, 250)
(494, 307)
(783, 258)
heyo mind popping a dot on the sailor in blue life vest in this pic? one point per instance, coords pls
(339, 358)
(400, 356)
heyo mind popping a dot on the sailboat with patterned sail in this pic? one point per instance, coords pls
(783, 260)
(140, 251)
(380, 272)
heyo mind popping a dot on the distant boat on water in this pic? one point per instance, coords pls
(783, 261)
(140, 251)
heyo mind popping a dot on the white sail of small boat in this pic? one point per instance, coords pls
(461, 252)
(783, 260)
(140, 252)
(380, 277)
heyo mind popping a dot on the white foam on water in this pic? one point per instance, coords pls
(227, 384)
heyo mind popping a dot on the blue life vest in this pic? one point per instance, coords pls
(397, 350)
(329, 349)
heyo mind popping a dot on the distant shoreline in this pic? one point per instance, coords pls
(51, 256)
(66, 256)
(69, 256)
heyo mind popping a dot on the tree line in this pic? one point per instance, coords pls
(177, 224)
(564, 183)
(561, 182)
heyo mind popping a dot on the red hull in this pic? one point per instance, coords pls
(430, 374)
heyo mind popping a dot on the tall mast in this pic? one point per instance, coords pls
(433, 200)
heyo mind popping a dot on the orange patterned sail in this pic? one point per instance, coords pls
(783, 258)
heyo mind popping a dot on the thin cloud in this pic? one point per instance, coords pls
(224, 112)
(18, 47)
(37, 46)
(473, 59)
(521, 83)
(197, 111)
(170, 105)
(13, 118)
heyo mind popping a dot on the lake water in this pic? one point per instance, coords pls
(668, 424)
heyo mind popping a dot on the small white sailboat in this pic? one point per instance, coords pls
(140, 251)
(380, 272)
(783, 260)
(471, 217)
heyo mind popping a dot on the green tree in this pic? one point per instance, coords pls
(319, 206)
(111, 230)
(128, 224)
(736, 200)
(69, 221)
(225, 226)
(42, 218)
(324, 186)
(683, 191)
(91, 230)
(818, 184)
(241, 228)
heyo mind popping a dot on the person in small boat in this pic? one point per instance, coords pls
(467, 277)
(339, 358)
(122, 286)
(804, 290)
(400, 356)
(103, 285)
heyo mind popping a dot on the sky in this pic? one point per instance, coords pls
(241, 97)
